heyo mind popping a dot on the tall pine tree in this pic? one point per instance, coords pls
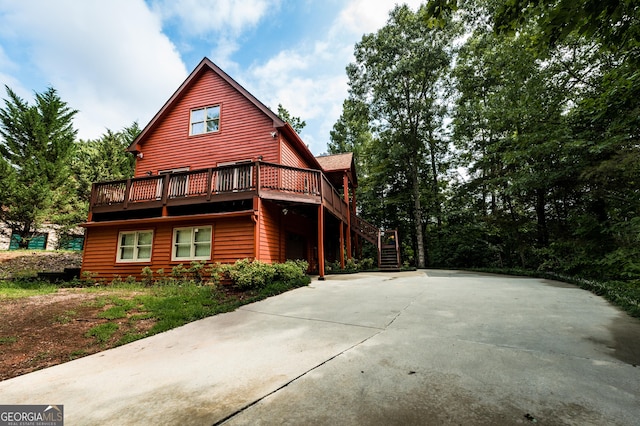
(37, 143)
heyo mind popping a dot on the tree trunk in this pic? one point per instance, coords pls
(436, 190)
(417, 217)
(543, 233)
(25, 236)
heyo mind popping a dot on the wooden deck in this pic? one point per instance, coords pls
(219, 184)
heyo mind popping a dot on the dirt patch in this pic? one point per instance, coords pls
(41, 331)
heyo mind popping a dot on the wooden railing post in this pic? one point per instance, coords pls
(258, 178)
(209, 185)
(92, 201)
(127, 190)
(165, 188)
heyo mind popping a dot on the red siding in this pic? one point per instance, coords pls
(290, 157)
(245, 131)
(271, 237)
(232, 240)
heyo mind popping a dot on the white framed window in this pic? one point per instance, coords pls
(134, 246)
(193, 243)
(204, 120)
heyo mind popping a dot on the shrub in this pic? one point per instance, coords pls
(196, 270)
(290, 271)
(366, 264)
(350, 265)
(179, 272)
(147, 276)
(247, 274)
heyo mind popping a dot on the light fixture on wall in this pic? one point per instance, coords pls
(140, 155)
(274, 134)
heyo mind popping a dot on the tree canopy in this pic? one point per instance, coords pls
(37, 145)
(296, 122)
(523, 153)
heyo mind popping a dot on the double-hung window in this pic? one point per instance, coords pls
(205, 120)
(192, 243)
(134, 246)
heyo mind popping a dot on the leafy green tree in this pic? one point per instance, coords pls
(37, 145)
(396, 74)
(104, 159)
(546, 120)
(296, 122)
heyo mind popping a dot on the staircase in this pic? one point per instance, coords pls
(385, 241)
(388, 251)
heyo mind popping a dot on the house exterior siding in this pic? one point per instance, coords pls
(244, 134)
(271, 244)
(290, 157)
(270, 209)
(232, 239)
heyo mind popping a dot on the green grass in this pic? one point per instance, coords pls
(169, 306)
(65, 317)
(77, 354)
(8, 340)
(103, 332)
(15, 289)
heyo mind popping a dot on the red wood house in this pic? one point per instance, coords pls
(220, 177)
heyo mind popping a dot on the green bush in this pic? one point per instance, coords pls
(366, 264)
(247, 274)
(350, 265)
(290, 271)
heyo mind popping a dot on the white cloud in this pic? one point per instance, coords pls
(311, 82)
(366, 16)
(109, 60)
(198, 17)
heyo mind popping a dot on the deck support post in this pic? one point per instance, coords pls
(257, 207)
(345, 183)
(321, 242)
(341, 245)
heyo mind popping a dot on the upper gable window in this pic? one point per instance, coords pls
(205, 120)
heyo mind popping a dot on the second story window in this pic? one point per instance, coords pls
(205, 120)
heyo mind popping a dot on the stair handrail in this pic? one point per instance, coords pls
(368, 231)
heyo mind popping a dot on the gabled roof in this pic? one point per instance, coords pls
(343, 163)
(336, 162)
(202, 67)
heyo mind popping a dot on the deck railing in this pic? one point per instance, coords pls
(256, 177)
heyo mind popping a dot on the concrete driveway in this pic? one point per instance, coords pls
(427, 347)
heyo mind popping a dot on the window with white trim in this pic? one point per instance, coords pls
(205, 120)
(192, 243)
(134, 246)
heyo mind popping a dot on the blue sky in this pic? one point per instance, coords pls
(118, 61)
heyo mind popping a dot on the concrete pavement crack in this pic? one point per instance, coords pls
(263, 397)
(355, 345)
(313, 319)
